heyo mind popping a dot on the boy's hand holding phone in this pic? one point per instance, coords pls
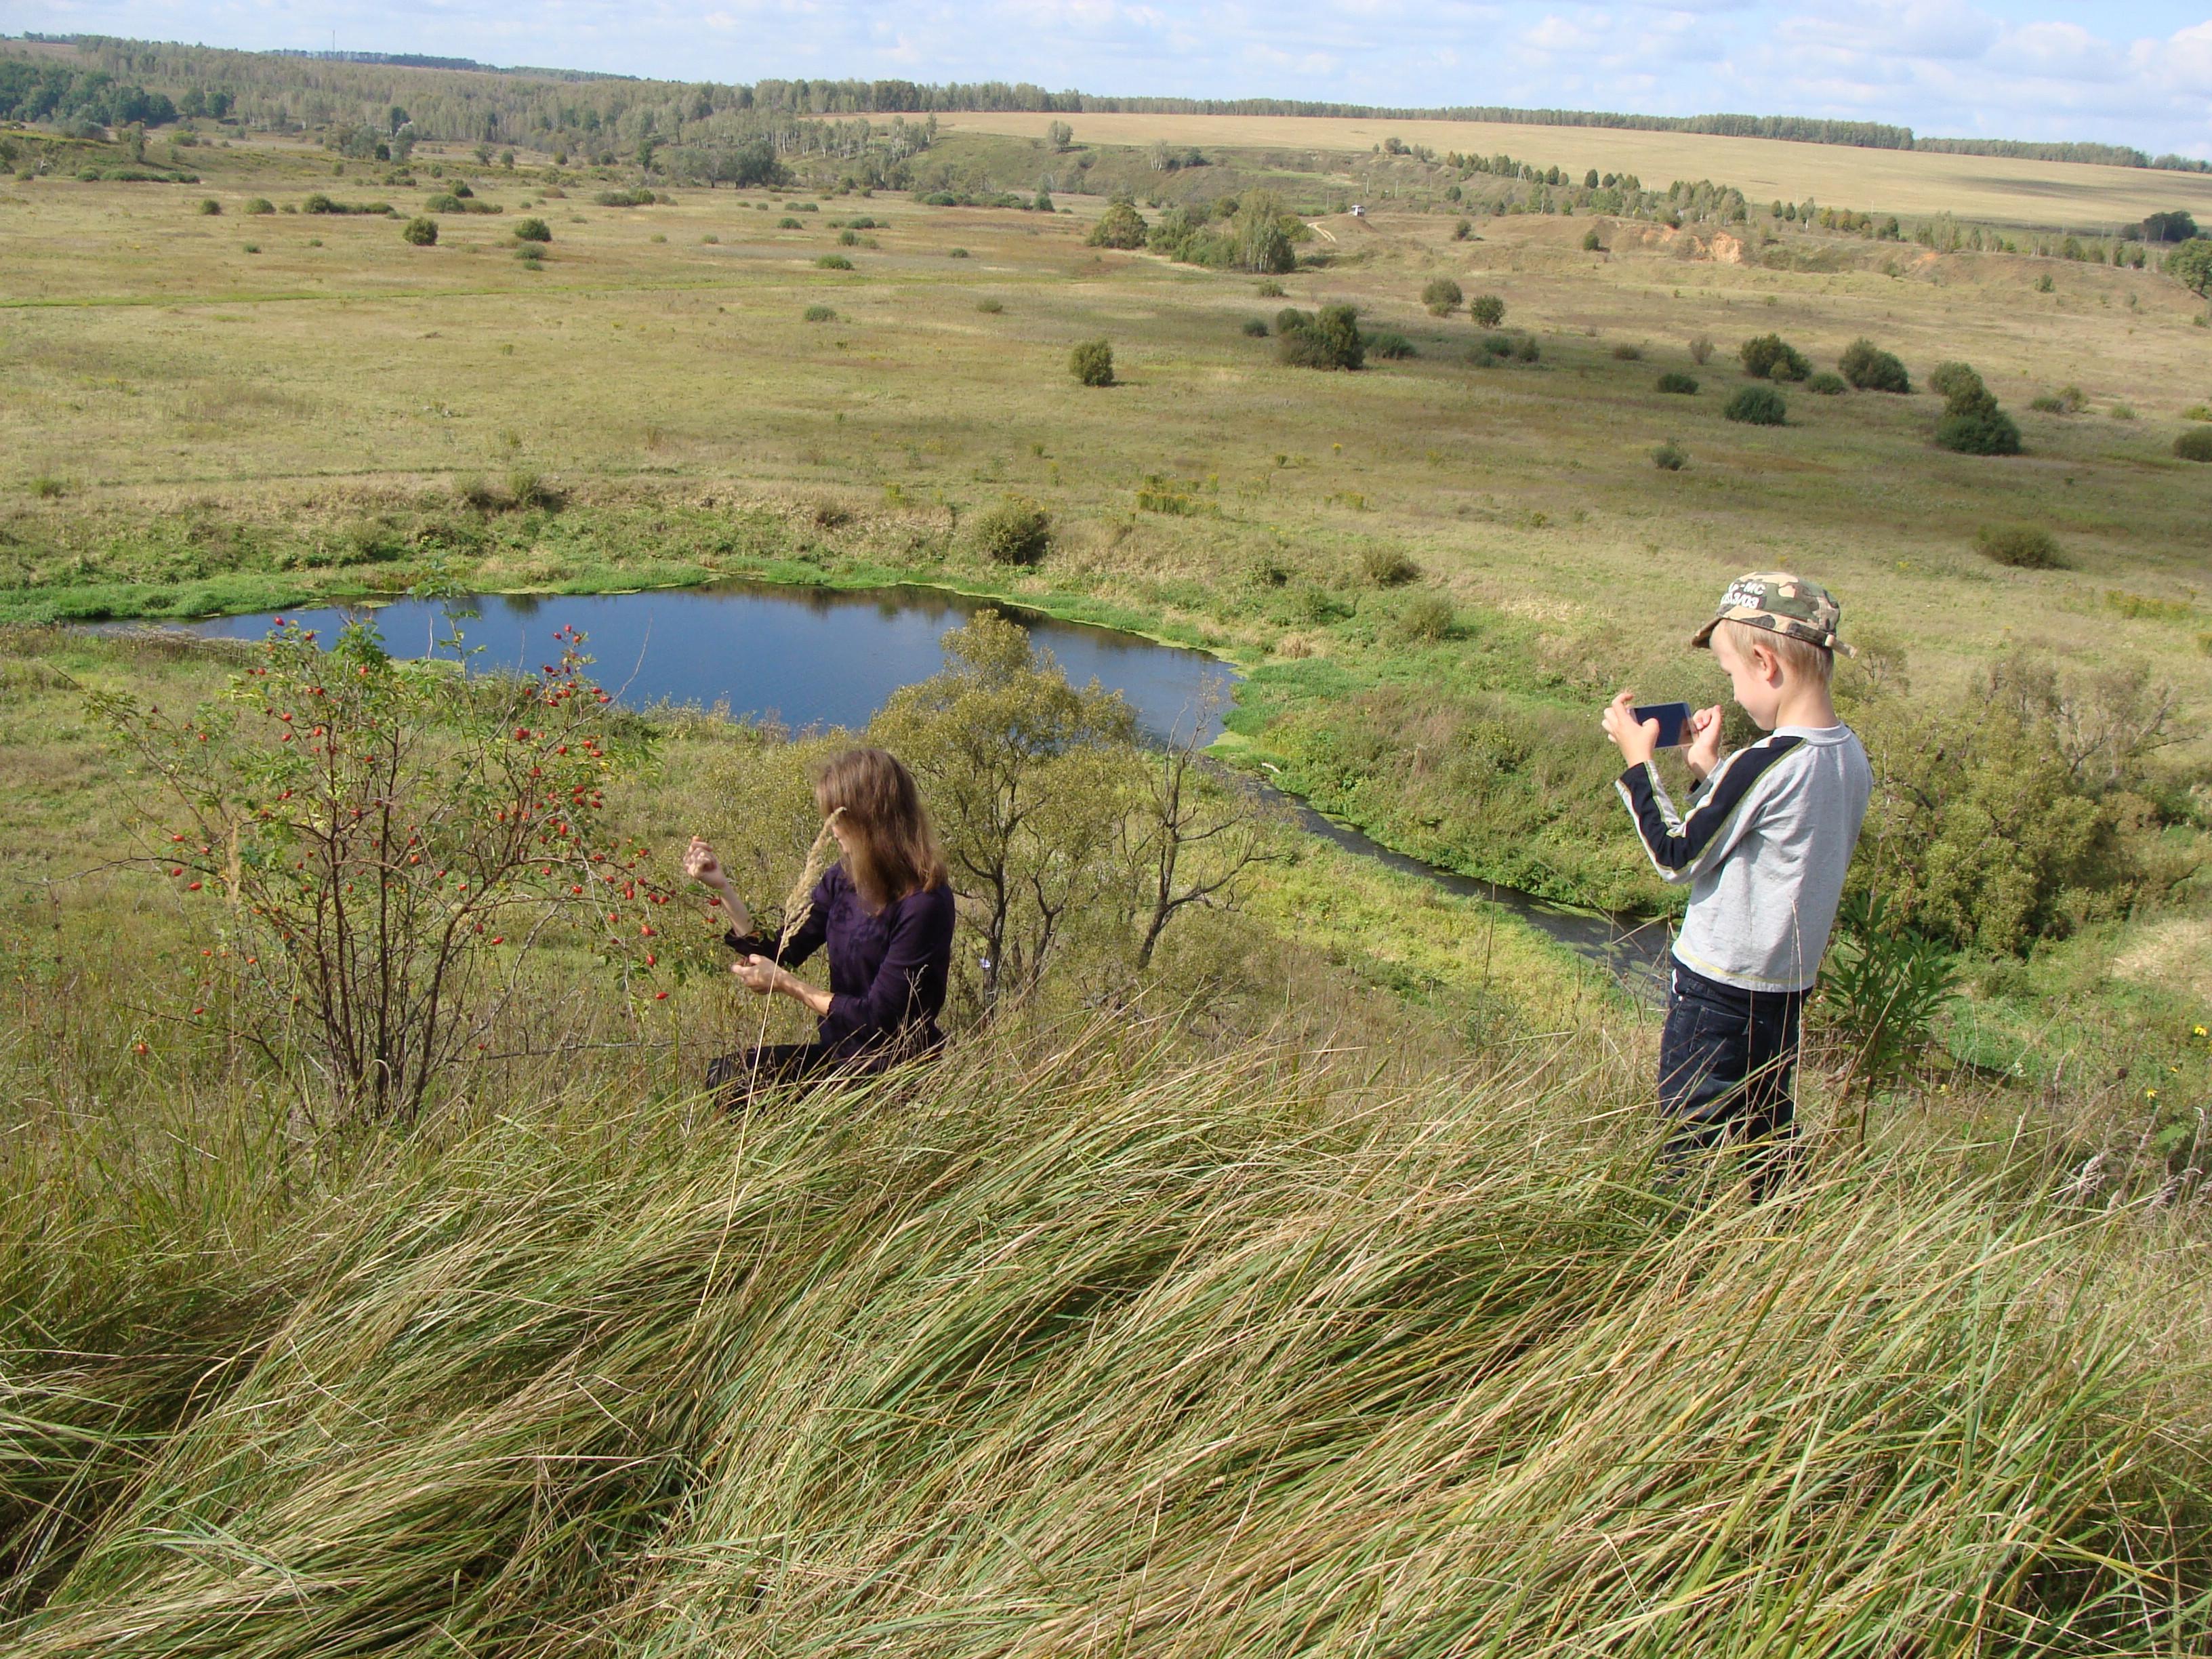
(1642, 732)
(1704, 752)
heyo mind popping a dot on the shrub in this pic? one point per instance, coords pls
(2024, 547)
(1092, 363)
(1388, 567)
(445, 205)
(1669, 457)
(1770, 357)
(1119, 226)
(1329, 339)
(1487, 310)
(1701, 348)
(1389, 345)
(1526, 350)
(533, 230)
(1679, 383)
(531, 253)
(1978, 432)
(833, 262)
(820, 314)
(990, 307)
(1289, 320)
(47, 489)
(253, 248)
(259, 205)
(1625, 353)
(2195, 445)
(2121, 412)
(639, 197)
(788, 223)
(1592, 243)
(421, 232)
(1826, 383)
(1013, 530)
(1757, 405)
(950, 253)
(1949, 380)
(1490, 348)
(210, 206)
(1868, 368)
(1270, 289)
(526, 488)
(849, 239)
(2194, 412)
(1441, 296)
(1255, 328)
(1427, 620)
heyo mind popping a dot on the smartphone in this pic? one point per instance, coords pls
(1673, 719)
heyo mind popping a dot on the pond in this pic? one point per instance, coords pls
(814, 657)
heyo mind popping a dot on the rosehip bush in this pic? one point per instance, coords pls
(382, 842)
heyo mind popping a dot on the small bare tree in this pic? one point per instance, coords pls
(383, 833)
(1194, 833)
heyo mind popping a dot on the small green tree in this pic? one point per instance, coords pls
(1059, 135)
(1487, 310)
(1870, 368)
(1770, 357)
(1329, 338)
(1261, 230)
(1012, 530)
(2191, 266)
(1092, 363)
(533, 230)
(1441, 296)
(421, 232)
(1119, 226)
(1022, 772)
(1757, 405)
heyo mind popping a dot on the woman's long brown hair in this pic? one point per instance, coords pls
(895, 853)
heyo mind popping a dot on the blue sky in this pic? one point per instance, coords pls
(2137, 73)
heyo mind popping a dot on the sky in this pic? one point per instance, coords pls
(2128, 71)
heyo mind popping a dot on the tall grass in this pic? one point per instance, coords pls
(1082, 1341)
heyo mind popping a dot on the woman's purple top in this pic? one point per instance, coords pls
(887, 971)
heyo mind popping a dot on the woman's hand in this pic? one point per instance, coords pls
(758, 974)
(702, 867)
(1704, 750)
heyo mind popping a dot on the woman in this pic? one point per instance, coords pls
(885, 912)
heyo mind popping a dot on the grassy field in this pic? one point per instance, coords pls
(2052, 194)
(1311, 1295)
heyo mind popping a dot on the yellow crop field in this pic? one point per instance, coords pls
(2056, 194)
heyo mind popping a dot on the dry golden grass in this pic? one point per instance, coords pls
(2038, 193)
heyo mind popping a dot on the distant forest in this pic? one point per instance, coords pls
(456, 100)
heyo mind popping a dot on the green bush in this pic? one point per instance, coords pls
(1270, 289)
(1329, 339)
(638, 197)
(1679, 383)
(1978, 432)
(1013, 530)
(1592, 243)
(2195, 445)
(1427, 619)
(1526, 350)
(2024, 547)
(1119, 226)
(1826, 383)
(421, 232)
(1441, 296)
(1487, 310)
(990, 307)
(788, 223)
(259, 205)
(820, 314)
(1490, 348)
(1389, 345)
(1770, 357)
(1952, 381)
(1626, 353)
(1869, 368)
(2194, 412)
(833, 262)
(950, 253)
(1255, 328)
(531, 253)
(209, 207)
(1757, 405)
(1092, 363)
(1669, 457)
(533, 230)
(1388, 567)
(849, 239)
(526, 488)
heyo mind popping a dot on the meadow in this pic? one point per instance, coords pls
(1306, 1292)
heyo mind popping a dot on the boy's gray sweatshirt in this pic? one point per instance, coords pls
(1764, 846)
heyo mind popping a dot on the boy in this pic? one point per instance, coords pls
(1764, 846)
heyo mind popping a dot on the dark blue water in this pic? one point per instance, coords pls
(804, 656)
(811, 656)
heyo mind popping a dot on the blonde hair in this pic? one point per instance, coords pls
(1801, 659)
(895, 853)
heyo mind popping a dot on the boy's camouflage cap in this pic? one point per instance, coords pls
(1788, 605)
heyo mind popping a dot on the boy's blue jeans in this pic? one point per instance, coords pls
(1727, 1061)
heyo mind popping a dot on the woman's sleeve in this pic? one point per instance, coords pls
(920, 943)
(801, 945)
